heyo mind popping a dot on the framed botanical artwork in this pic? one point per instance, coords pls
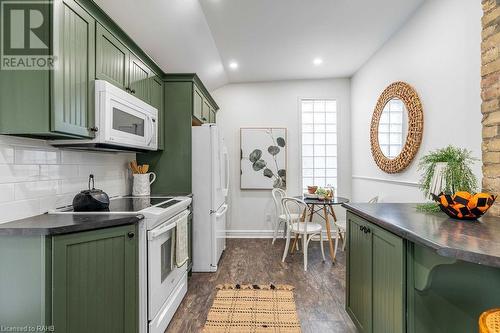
(263, 158)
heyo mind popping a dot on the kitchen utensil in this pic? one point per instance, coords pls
(91, 200)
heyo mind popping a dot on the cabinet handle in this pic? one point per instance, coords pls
(130, 235)
(367, 230)
(133, 91)
(127, 89)
(93, 129)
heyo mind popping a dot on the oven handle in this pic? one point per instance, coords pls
(169, 225)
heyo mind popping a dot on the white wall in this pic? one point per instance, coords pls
(438, 53)
(275, 104)
(35, 177)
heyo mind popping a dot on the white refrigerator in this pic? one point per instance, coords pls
(210, 177)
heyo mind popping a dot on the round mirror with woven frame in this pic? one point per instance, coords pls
(414, 127)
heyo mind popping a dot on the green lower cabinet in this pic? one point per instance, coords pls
(388, 282)
(95, 281)
(447, 295)
(375, 278)
(359, 297)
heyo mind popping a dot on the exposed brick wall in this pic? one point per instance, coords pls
(490, 87)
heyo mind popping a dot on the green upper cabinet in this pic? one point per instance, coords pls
(197, 103)
(204, 107)
(86, 45)
(205, 115)
(157, 101)
(112, 58)
(139, 75)
(375, 278)
(184, 98)
(95, 286)
(73, 103)
(57, 103)
(212, 116)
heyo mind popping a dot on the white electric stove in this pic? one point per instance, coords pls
(162, 284)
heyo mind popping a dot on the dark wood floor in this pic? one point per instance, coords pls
(319, 292)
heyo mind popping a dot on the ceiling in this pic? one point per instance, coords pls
(269, 39)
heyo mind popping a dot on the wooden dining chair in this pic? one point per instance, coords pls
(299, 226)
(278, 195)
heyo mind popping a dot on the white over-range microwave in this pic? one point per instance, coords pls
(122, 122)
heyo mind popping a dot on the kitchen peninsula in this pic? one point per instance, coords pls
(422, 272)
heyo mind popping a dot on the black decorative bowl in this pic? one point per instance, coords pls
(463, 205)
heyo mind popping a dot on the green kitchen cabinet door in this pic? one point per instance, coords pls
(212, 116)
(197, 103)
(157, 102)
(205, 115)
(112, 58)
(95, 281)
(139, 82)
(359, 274)
(73, 77)
(388, 282)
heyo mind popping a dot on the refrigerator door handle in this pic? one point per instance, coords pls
(221, 213)
(226, 173)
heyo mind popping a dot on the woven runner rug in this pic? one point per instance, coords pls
(253, 309)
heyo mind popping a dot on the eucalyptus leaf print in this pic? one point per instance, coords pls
(282, 173)
(259, 165)
(255, 155)
(273, 150)
(268, 173)
(263, 158)
(281, 142)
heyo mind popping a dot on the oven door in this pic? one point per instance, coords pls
(127, 124)
(163, 274)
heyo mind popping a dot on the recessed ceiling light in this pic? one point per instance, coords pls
(233, 65)
(317, 61)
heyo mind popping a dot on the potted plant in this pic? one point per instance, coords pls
(446, 170)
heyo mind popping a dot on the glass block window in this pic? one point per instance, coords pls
(319, 142)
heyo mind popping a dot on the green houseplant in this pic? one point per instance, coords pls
(457, 174)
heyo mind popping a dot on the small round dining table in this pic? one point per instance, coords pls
(316, 206)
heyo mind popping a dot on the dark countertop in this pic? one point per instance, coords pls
(57, 224)
(472, 241)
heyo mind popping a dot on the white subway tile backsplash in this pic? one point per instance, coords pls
(6, 155)
(58, 171)
(56, 201)
(38, 189)
(36, 177)
(74, 185)
(10, 173)
(27, 155)
(15, 210)
(6, 192)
